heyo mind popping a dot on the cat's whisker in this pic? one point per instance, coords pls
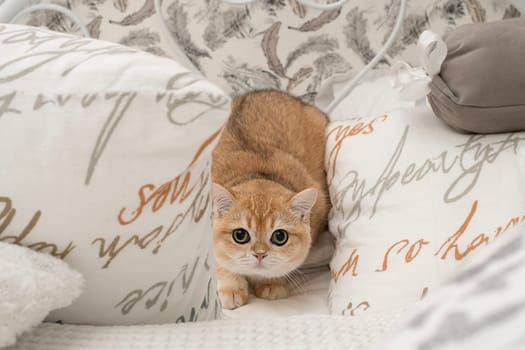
(246, 261)
(295, 287)
(296, 279)
(272, 260)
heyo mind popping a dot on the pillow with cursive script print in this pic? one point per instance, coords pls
(412, 201)
(105, 163)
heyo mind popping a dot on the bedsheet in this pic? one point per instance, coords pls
(294, 332)
(298, 322)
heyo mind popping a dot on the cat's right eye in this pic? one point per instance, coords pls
(241, 236)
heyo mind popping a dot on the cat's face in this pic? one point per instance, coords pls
(261, 234)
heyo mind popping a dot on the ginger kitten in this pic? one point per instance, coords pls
(270, 198)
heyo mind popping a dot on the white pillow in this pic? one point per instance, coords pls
(105, 163)
(413, 199)
(31, 285)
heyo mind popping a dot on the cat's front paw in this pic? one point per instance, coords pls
(272, 291)
(232, 289)
(232, 298)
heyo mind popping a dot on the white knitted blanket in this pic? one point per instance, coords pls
(296, 332)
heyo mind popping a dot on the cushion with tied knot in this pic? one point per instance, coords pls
(481, 85)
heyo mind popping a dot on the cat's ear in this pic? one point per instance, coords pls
(303, 202)
(222, 199)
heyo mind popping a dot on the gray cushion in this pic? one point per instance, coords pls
(481, 86)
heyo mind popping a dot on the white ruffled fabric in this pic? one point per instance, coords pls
(31, 285)
(413, 83)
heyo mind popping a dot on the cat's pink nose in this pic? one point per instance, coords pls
(260, 256)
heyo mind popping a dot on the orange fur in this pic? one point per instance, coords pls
(269, 164)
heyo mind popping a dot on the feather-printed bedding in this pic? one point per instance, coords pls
(272, 44)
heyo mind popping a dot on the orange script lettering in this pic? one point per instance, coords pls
(413, 251)
(158, 196)
(451, 244)
(343, 132)
(350, 264)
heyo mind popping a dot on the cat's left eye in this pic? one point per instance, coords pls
(241, 236)
(279, 237)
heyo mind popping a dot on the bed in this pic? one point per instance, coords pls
(404, 282)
